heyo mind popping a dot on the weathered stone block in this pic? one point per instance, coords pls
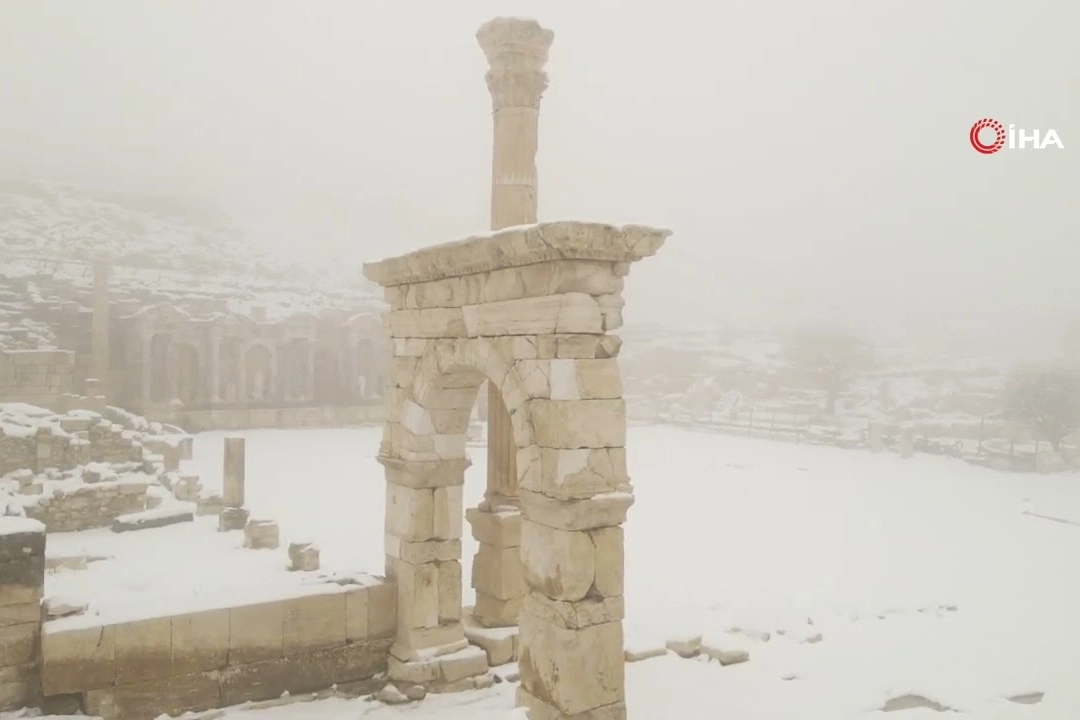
(449, 591)
(420, 474)
(314, 622)
(20, 686)
(599, 511)
(143, 650)
(574, 424)
(410, 512)
(77, 660)
(574, 671)
(303, 557)
(559, 563)
(575, 615)
(430, 323)
(232, 519)
(200, 641)
(256, 632)
(501, 529)
(545, 315)
(262, 535)
(357, 608)
(148, 699)
(498, 572)
(493, 612)
(19, 643)
(418, 553)
(382, 610)
(539, 710)
(572, 473)
(448, 512)
(418, 594)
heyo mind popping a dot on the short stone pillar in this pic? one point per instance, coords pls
(571, 634)
(424, 513)
(22, 586)
(907, 441)
(262, 535)
(233, 473)
(233, 515)
(496, 572)
(303, 556)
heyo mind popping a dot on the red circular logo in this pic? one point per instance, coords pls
(999, 136)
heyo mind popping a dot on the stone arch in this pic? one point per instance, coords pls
(528, 309)
(328, 376)
(159, 367)
(187, 365)
(258, 371)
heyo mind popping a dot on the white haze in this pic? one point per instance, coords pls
(811, 157)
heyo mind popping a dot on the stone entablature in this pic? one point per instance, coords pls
(508, 248)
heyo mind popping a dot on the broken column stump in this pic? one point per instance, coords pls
(233, 516)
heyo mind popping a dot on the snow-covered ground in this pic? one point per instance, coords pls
(923, 577)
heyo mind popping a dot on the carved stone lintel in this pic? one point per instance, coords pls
(518, 246)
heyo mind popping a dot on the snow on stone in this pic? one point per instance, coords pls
(16, 525)
(851, 580)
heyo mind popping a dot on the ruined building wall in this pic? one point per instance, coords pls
(38, 377)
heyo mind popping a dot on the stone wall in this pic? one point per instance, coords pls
(76, 441)
(22, 582)
(215, 658)
(288, 417)
(35, 376)
(89, 506)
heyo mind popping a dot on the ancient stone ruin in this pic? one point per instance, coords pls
(200, 364)
(528, 311)
(524, 315)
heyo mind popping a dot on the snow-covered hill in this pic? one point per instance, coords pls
(162, 250)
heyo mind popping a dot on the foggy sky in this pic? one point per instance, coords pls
(809, 155)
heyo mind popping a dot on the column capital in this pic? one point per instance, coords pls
(516, 50)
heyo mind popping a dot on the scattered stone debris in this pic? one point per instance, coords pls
(391, 696)
(232, 519)
(645, 653)
(685, 646)
(158, 517)
(58, 607)
(912, 702)
(725, 655)
(1032, 698)
(261, 535)
(303, 556)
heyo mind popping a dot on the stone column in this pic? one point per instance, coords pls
(100, 325)
(516, 51)
(571, 633)
(215, 368)
(233, 515)
(424, 509)
(233, 473)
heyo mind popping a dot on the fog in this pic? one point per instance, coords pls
(811, 158)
